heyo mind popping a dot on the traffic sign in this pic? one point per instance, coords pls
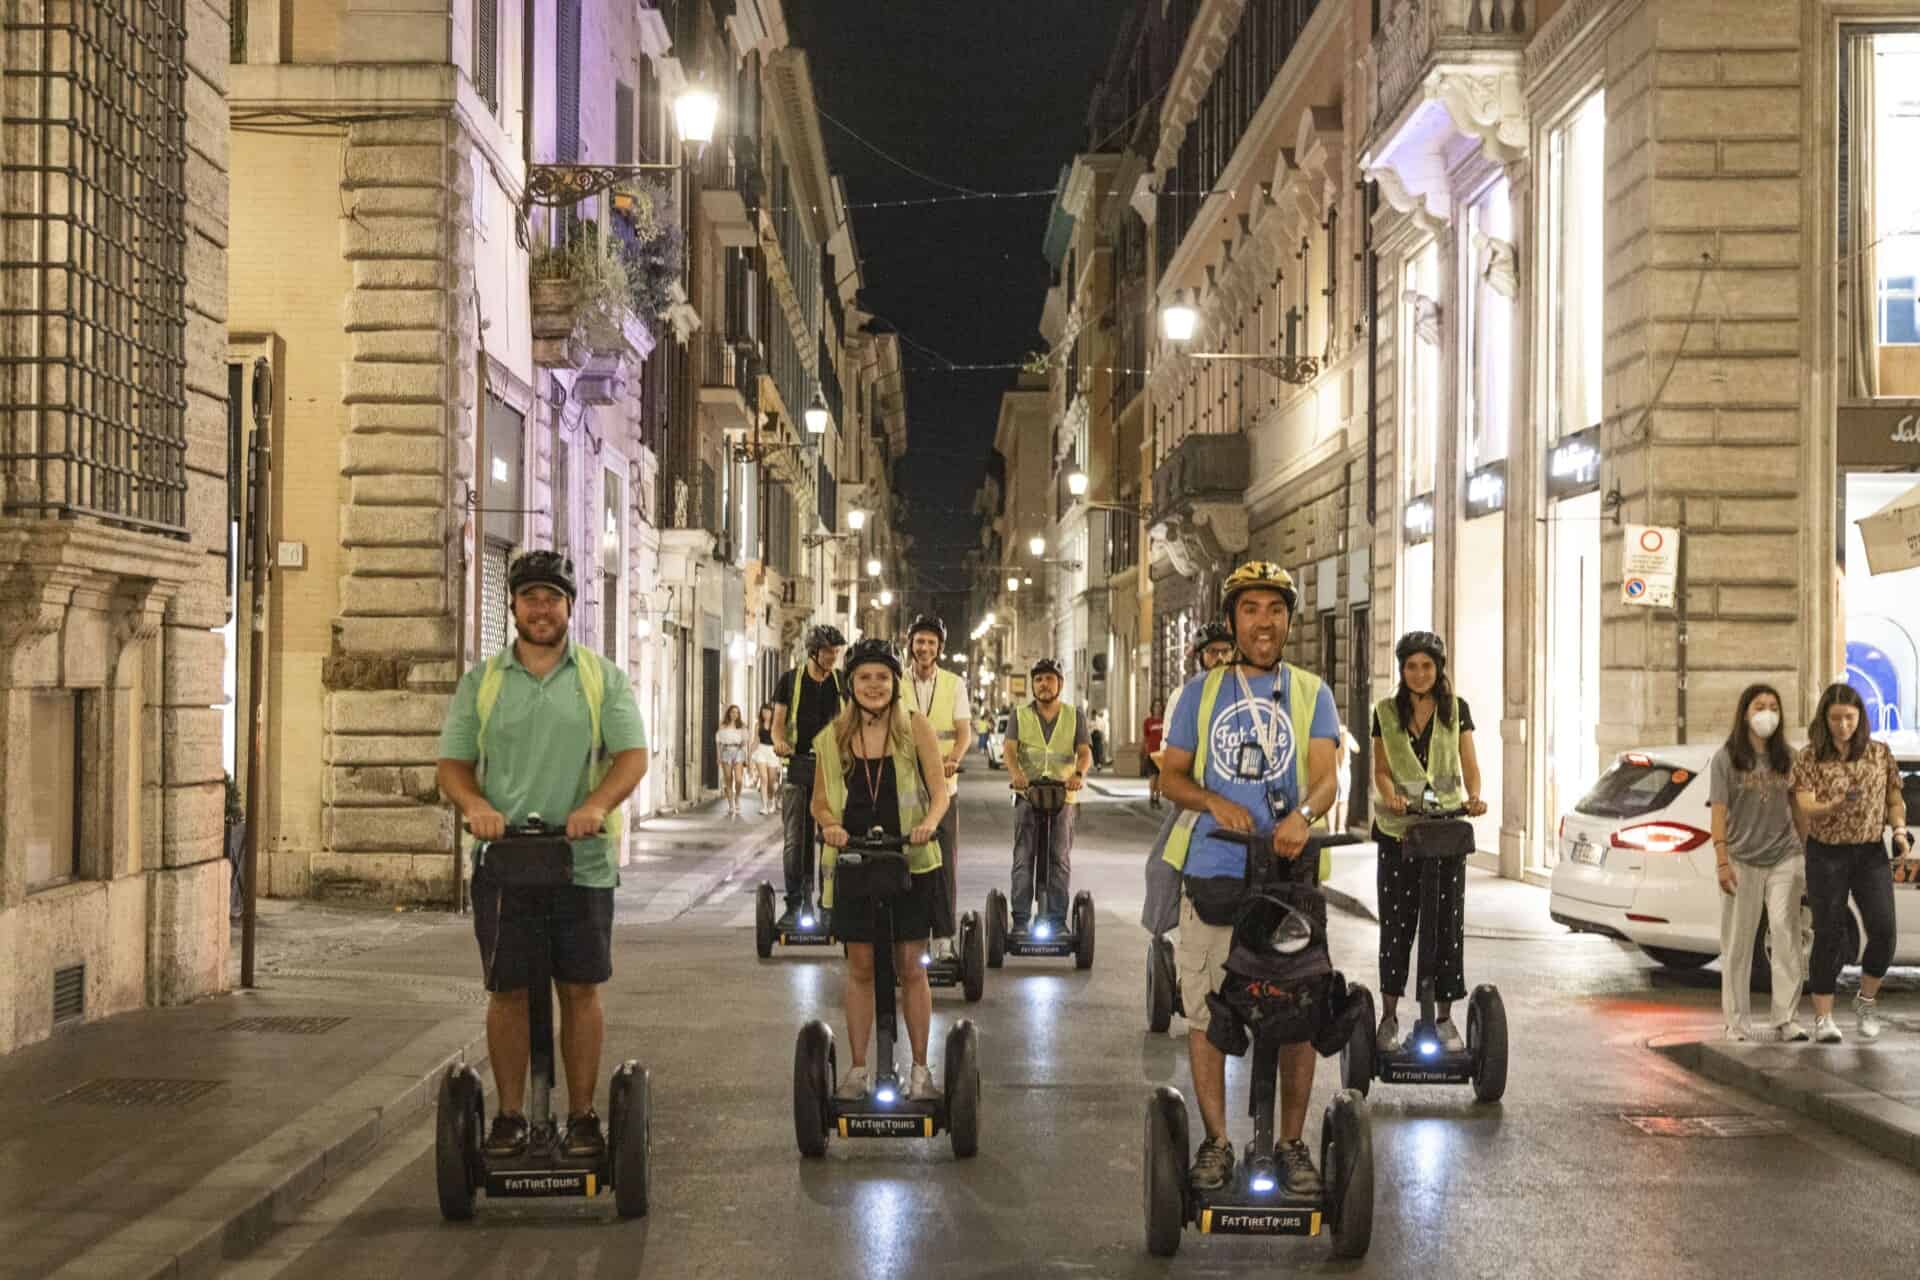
(1650, 565)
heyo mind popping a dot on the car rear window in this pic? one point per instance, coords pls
(1635, 786)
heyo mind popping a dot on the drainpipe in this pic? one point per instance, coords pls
(1369, 203)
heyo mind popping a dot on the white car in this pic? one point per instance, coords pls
(997, 742)
(1636, 860)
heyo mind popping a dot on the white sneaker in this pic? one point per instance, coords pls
(1387, 1038)
(1826, 1030)
(1866, 1015)
(920, 1085)
(853, 1085)
(1737, 1033)
(1791, 1032)
(1450, 1041)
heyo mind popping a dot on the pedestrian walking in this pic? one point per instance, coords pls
(1097, 738)
(1846, 793)
(1337, 820)
(731, 741)
(1761, 863)
(766, 765)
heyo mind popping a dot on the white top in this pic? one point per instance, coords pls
(731, 736)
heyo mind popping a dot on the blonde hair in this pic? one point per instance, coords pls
(846, 727)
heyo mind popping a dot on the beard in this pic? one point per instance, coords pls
(544, 633)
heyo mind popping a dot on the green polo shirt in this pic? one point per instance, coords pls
(540, 748)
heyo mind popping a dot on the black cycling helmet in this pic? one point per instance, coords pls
(871, 650)
(1213, 633)
(1420, 642)
(1047, 667)
(541, 569)
(927, 622)
(824, 636)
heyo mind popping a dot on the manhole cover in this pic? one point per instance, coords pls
(139, 1093)
(1737, 1126)
(285, 1026)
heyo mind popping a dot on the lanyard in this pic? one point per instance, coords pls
(1267, 735)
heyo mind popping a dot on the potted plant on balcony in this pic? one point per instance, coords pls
(578, 297)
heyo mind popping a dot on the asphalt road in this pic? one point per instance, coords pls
(1553, 1181)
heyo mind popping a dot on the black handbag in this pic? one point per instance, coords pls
(1438, 838)
(867, 875)
(1217, 899)
(529, 861)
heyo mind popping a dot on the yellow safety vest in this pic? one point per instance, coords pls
(593, 687)
(1038, 756)
(1442, 771)
(946, 692)
(907, 786)
(1303, 691)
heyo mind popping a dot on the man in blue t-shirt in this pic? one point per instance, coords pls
(1251, 776)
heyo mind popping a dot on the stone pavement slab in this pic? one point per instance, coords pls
(1497, 908)
(1869, 1092)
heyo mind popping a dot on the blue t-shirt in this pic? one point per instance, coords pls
(1234, 726)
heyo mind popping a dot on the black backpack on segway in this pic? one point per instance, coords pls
(1437, 841)
(536, 856)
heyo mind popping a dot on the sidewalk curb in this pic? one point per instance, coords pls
(1348, 902)
(737, 858)
(1885, 1124)
(235, 1208)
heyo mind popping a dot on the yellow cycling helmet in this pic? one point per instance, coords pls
(1263, 574)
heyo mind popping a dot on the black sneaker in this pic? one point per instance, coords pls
(787, 921)
(584, 1139)
(1212, 1164)
(1296, 1166)
(508, 1138)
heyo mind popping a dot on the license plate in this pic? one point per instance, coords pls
(1587, 853)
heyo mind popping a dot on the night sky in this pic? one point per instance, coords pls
(985, 94)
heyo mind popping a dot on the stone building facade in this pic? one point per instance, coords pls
(113, 887)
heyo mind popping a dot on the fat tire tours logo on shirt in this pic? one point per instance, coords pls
(1245, 723)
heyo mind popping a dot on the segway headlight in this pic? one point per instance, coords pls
(1428, 1048)
(925, 960)
(1043, 931)
(1263, 1183)
(885, 1096)
(806, 922)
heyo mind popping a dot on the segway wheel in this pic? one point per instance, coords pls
(1166, 1171)
(1487, 1042)
(812, 1083)
(963, 1088)
(1356, 1055)
(973, 958)
(1160, 980)
(996, 929)
(1083, 930)
(1346, 1162)
(633, 1142)
(456, 1142)
(763, 920)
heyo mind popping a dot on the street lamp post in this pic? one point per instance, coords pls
(1179, 321)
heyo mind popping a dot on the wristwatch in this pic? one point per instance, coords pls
(1306, 811)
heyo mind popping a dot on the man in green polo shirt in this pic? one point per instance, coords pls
(519, 740)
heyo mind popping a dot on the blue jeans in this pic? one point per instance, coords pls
(1059, 863)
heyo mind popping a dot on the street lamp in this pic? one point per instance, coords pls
(856, 519)
(1037, 545)
(1076, 484)
(873, 568)
(886, 599)
(1178, 320)
(816, 414)
(1013, 583)
(694, 113)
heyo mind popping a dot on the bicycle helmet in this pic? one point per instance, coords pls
(927, 622)
(1212, 633)
(824, 637)
(541, 569)
(1257, 574)
(1047, 667)
(1421, 642)
(869, 651)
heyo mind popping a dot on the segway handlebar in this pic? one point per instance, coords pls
(876, 844)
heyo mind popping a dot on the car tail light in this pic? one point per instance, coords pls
(1660, 837)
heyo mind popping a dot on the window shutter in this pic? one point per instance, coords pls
(567, 83)
(622, 122)
(486, 52)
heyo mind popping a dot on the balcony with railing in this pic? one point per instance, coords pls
(731, 189)
(608, 256)
(729, 382)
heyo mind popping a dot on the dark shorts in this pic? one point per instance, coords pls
(912, 912)
(575, 923)
(1153, 770)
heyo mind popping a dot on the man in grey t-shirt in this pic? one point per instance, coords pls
(1761, 864)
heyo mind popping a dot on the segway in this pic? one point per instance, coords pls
(875, 865)
(1255, 1201)
(963, 965)
(1042, 936)
(812, 923)
(537, 856)
(1437, 841)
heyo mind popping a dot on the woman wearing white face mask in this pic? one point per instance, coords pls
(1761, 863)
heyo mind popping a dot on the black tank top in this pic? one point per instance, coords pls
(766, 736)
(872, 798)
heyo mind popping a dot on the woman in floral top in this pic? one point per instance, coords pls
(1846, 793)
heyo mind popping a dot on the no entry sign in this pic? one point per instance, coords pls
(1649, 565)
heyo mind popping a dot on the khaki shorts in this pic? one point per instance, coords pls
(1201, 953)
